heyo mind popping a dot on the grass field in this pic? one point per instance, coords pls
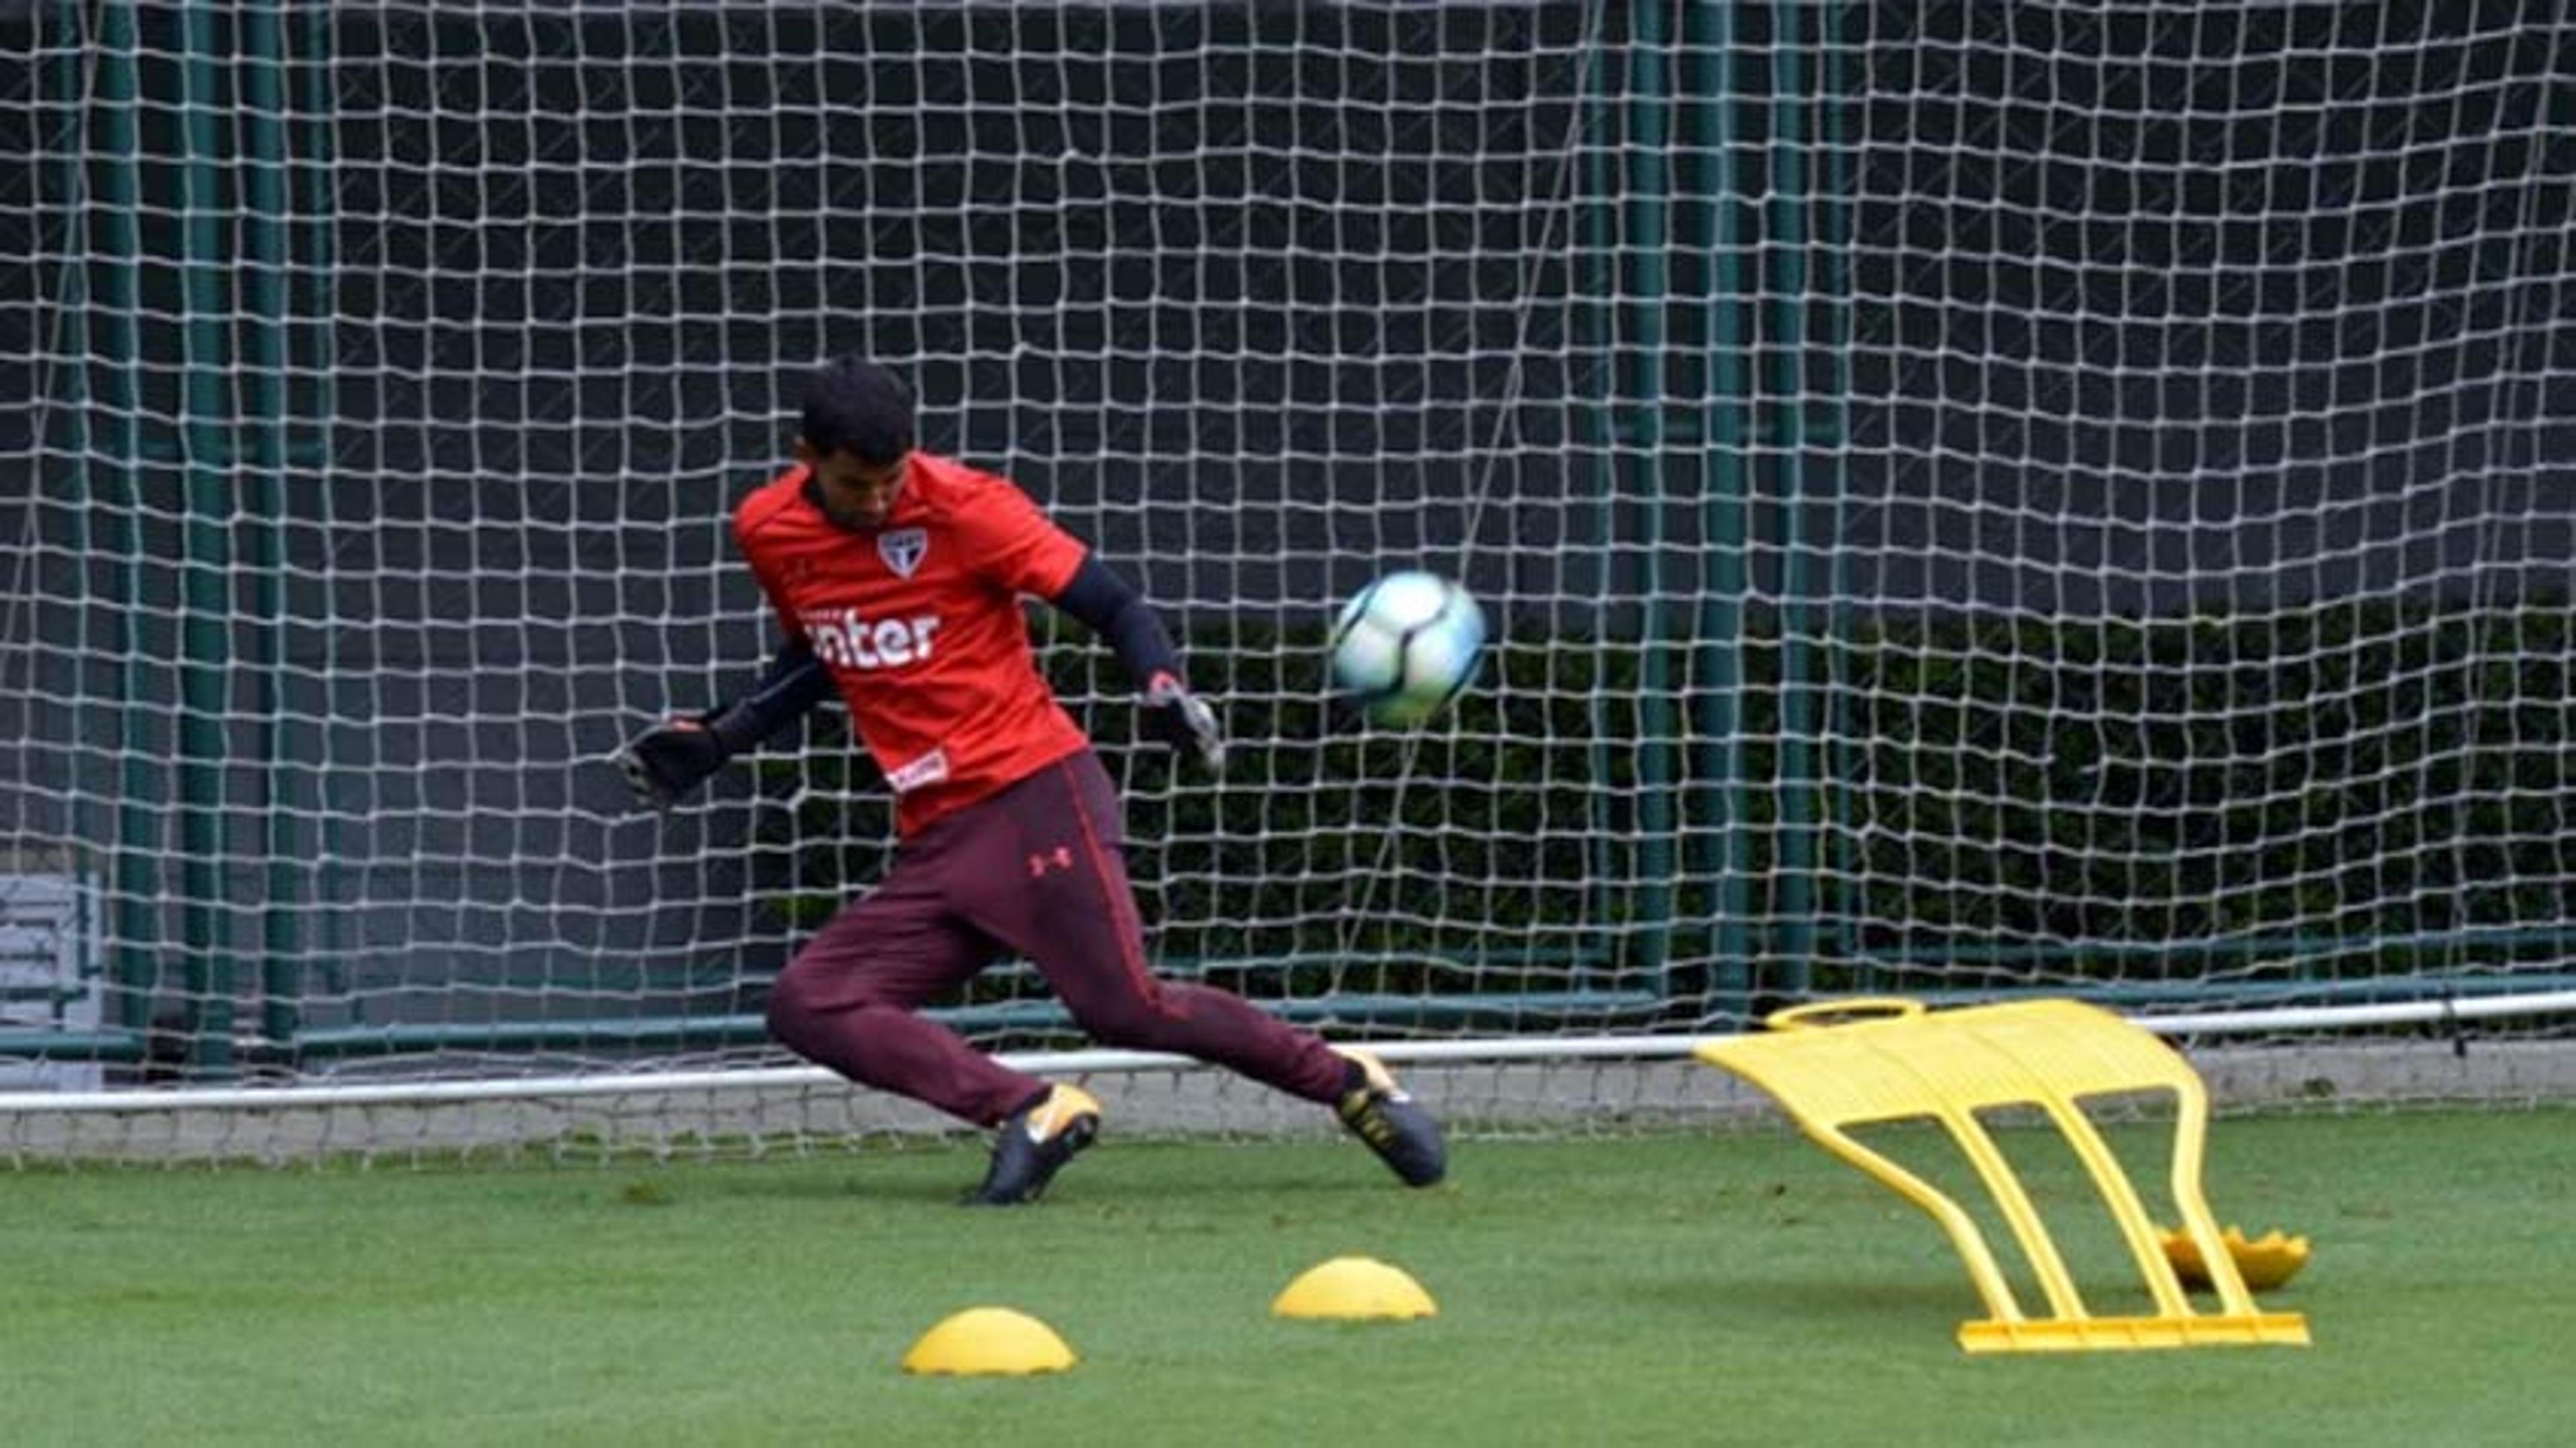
(1731, 1288)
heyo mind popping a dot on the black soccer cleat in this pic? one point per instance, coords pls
(1394, 1125)
(1035, 1142)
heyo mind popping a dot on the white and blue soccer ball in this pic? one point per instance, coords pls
(1406, 645)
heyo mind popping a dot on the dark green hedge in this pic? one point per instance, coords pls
(2371, 779)
(2380, 780)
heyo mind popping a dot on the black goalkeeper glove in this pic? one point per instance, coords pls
(1184, 723)
(665, 762)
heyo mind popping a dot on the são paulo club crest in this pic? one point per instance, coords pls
(902, 548)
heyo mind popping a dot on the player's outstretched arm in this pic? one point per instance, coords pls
(664, 763)
(1109, 606)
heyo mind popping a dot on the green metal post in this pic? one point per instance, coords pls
(207, 437)
(1788, 236)
(1652, 56)
(1834, 211)
(1602, 255)
(71, 372)
(1725, 840)
(72, 369)
(266, 212)
(319, 100)
(134, 963)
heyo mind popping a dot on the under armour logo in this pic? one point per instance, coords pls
(1060, 858)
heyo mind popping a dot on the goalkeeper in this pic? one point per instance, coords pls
(897, 576)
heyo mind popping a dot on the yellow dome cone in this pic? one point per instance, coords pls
(989, 1341)
(1355, 1289)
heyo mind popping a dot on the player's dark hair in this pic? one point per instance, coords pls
(854, 406)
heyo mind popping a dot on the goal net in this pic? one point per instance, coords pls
(1974, 501)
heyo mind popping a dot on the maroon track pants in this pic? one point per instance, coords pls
(1035, 871)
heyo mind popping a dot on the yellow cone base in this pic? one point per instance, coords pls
(2264, 1262)
(1354, 1289)
(2094, 1334)
(989, 1341)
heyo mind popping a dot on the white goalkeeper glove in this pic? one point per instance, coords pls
(1185, 724)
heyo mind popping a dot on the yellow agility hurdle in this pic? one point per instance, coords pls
(1890, 1060)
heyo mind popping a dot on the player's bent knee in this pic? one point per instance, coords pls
(787, 1015)
(795, 1007)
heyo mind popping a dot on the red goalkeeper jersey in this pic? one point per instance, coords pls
(922, 627)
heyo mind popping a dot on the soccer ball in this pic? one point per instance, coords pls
(1405, 645)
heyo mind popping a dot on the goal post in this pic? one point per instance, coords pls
(1973, 502)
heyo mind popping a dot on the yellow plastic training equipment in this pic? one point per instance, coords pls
(989, 1341)
(1890, 1060)
(1354, 1289)
(2264, 1262)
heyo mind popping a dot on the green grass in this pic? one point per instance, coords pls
(1738, 1287)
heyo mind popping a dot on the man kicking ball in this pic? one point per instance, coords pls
(897, 576)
